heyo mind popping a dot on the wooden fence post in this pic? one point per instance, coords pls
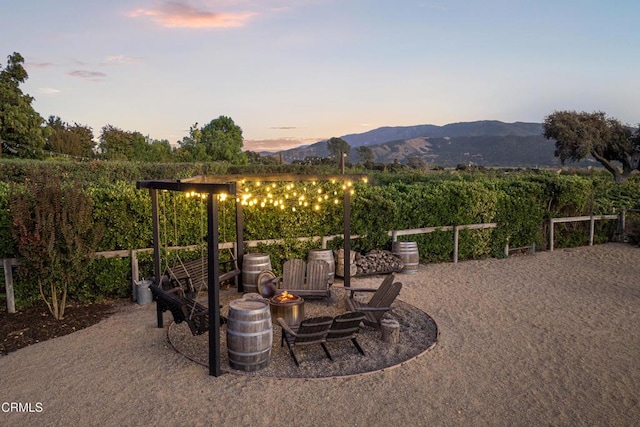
(456, 233)
(551, 234)
(8, 284)
(592, 222)
(135, 272)
(622, 216)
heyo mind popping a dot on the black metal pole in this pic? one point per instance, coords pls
(347, 237)
(213, 270)
(239, 238)
(156, 247)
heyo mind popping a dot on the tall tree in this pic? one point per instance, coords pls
(21, 131)
(223, 140)
(219, 140)
(338, 146)
(76, 140)
(580, 135)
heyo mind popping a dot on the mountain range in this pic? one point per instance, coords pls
(482, 143)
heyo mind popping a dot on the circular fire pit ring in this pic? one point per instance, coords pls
(418, 334)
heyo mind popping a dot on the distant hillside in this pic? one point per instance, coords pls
(487, 143)
(511, 151)
(479, 128)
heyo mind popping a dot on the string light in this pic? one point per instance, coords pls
(290, 195)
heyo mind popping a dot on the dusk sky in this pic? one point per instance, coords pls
(297, 72)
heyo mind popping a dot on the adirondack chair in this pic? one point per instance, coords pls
(311, 331)
(345, 327)
(308, 280)
(380, 302)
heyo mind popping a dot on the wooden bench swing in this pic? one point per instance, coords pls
(181, 285)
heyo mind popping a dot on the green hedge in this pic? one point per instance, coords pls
(521, 204)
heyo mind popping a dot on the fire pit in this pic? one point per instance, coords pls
(288, 306)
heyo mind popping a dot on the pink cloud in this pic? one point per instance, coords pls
(94, 76)
(177, 15)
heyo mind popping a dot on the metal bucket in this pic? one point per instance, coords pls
(408, 252)
(324, 255)
(252, 266)
(143, 292)
(249, 334)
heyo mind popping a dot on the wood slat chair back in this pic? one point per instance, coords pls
(387, 299)
(380, 303)
(310, 331)
(383, 289)
(308, 280)
(189, 275)
(345, 327)
(193, 275)
(293, 271)
(317, 275)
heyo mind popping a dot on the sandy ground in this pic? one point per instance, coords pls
(544, 339)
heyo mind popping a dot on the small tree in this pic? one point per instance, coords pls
(365, 154)
(53, 228)
(336, 148)
(580, 135)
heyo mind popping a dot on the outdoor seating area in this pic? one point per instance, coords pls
(324, 337)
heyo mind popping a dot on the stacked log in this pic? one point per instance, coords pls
(377, 261)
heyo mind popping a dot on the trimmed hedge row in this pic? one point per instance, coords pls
(520, 203)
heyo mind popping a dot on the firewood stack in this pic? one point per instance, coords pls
(377, 261)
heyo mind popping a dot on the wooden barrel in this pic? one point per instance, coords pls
(408, 252)
(252, 266)
(324, 255)
(249, 334)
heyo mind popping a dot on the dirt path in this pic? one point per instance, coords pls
(544, 339)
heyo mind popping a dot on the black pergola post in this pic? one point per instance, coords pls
(239, 240)
(156, 247)
(347, 238)
(213, 272)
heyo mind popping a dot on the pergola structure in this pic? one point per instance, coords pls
(230, 185)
